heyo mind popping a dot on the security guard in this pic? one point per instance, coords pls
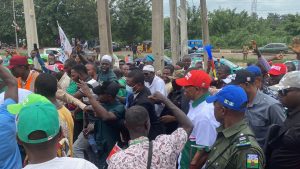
(235, 147)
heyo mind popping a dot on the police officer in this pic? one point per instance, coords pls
(235, 146)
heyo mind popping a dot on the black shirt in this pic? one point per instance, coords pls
(177, 97)
(141, 99)
(286, 147)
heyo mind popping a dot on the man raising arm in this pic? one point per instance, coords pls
(10, 154)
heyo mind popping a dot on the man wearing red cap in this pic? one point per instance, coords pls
(276, 72)
(201, 113)
(20, 69)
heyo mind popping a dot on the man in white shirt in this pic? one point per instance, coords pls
(201, 113)
(41, 139)
(155, 84)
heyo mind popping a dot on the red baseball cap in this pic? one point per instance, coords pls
(278, 69)
(197, 78)
(17, 61)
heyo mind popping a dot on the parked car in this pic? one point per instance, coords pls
(295, 62)
(167, 60)
(274, 48)
(218, 62)
(56, 51)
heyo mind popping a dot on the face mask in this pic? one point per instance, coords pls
(129, 89)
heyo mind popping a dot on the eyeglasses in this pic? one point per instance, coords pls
(284, 92)
(146, 74)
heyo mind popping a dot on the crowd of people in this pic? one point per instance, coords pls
(87, 114)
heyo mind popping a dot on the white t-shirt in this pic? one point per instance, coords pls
(205, 124)
(63, 163)
(157, 85)
(22, 94)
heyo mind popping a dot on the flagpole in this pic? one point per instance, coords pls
(15, 24)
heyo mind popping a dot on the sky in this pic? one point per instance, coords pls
(263, 6)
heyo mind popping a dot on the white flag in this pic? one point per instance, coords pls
(65, 45)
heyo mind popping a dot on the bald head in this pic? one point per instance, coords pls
(137, 120)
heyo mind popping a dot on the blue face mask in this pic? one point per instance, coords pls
(128, 89)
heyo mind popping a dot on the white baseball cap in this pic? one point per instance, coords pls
(291, 79)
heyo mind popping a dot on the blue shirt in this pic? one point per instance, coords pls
(10, 157)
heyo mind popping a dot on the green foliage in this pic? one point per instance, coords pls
(230, 29)
(131, 22)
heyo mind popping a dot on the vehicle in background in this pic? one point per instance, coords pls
(295, 62)
(218, 62)
(116, 46)
(167, 60)
(56, 51)
(195, 46)
(274, 48)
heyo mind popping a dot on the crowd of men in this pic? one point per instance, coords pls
(87, 114)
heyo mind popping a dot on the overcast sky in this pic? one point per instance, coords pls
(263, 6)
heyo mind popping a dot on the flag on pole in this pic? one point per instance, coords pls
(65, 45)
(210, 58)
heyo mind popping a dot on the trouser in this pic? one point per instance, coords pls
(78, 126)
(82, 147)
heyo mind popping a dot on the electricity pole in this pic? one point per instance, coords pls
(15, 24)
(183, 28)
(158, 34)
(104, 28)
(174, 31)
(30, 24)
(205, 31)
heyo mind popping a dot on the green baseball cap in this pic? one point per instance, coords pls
(39, 116)
(31, 99)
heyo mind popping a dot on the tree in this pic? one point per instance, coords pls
(133, 18)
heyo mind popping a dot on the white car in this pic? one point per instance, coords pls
(56, 51)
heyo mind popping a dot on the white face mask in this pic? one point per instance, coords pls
(130, 89)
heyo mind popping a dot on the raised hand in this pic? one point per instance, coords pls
(157, 97)
(296, 45)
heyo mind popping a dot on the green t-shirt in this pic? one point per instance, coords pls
(109, 76)
(72, 89)
(107, 133)
(122, 92)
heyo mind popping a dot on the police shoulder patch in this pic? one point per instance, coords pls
(243, 141)
(252, 161)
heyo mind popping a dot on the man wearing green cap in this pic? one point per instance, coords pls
(41, 139)
(10, 154)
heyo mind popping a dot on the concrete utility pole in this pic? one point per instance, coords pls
(205, 31)
(15, 24)
(183, 28)
(104, 28)
(158, 34)
(174, 31)
(30, 24)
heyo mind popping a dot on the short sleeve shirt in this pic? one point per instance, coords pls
(107, 133)
(9, 150)
(166, 149)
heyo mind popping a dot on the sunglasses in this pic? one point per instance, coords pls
(284, 92)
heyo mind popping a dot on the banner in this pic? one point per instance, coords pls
(65, 45)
